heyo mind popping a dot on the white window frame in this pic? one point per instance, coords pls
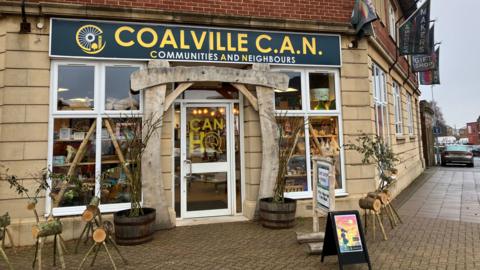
(380, 99)
(306, 112)
(392, 17)
(397, 108)
(98, 113)
(410, 114)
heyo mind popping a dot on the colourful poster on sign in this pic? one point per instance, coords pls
(348, 233)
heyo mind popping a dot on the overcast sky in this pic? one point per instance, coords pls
(457, 27)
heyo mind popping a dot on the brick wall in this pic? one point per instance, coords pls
(338, 11)
(473, 136)
(383, 36)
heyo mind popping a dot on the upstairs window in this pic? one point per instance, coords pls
(392, 20)
(397, 106)
(410, 114)
(380, 102)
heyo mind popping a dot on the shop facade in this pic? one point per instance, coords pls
(69, 82)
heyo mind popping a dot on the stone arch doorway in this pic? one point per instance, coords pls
(153, 81)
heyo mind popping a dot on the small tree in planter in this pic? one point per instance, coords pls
(279, 212)
(135, 225)
(374, 149)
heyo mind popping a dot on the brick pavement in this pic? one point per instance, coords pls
(420, 243)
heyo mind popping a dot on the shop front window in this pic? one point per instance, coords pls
(321, 136)
(75, 87)
(296, 175)
(83, 149)
(291, 99)
(74, 149)
(118, 96)
(325, 143)
(117, 135)
(322, 91)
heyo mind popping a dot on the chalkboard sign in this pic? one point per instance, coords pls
(323, 189)
(323, 196)
(344, 237)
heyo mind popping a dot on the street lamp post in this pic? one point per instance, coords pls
(436, 148)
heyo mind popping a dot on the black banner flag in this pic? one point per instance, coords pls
(425, 62)
(414, 32)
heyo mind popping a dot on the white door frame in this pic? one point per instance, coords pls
(228, 167)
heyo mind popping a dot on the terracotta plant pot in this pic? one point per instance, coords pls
(277, 215)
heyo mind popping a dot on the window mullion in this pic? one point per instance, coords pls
(98, 156)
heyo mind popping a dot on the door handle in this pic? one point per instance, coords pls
(189, 162)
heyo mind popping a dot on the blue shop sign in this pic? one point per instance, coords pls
(142, 41)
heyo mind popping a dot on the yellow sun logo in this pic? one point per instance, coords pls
(90, 39)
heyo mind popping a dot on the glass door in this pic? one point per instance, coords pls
(206, 160)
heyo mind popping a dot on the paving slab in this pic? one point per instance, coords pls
(431, 237)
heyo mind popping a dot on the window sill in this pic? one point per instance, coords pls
(412, 137)
(78, 210)
(309, 195)
(400, 137)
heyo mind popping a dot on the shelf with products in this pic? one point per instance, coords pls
(296, 175)
(87, 163)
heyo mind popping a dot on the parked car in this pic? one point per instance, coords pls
(476, 150)
(457, 154)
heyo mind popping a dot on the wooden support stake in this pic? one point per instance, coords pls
(55, 250)
(89, 229)
(4, 255)
(10, 239)
(36, 253)
(109, 255)
(57, 242)
(366, 220)
(316, 143)
(62, 243)
(396, 213)
(118, 149)
(86, 255)
(80, 238)
(97, 249)
(373, 223)
(39, 257)
(101, 236)
(117, 249)
(381, 226)
(391, 218)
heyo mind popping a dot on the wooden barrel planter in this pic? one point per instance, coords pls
(277, 215)
(134, 230)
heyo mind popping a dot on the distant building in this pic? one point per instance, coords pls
(473, 132)
(462, 132)
(450, 131)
